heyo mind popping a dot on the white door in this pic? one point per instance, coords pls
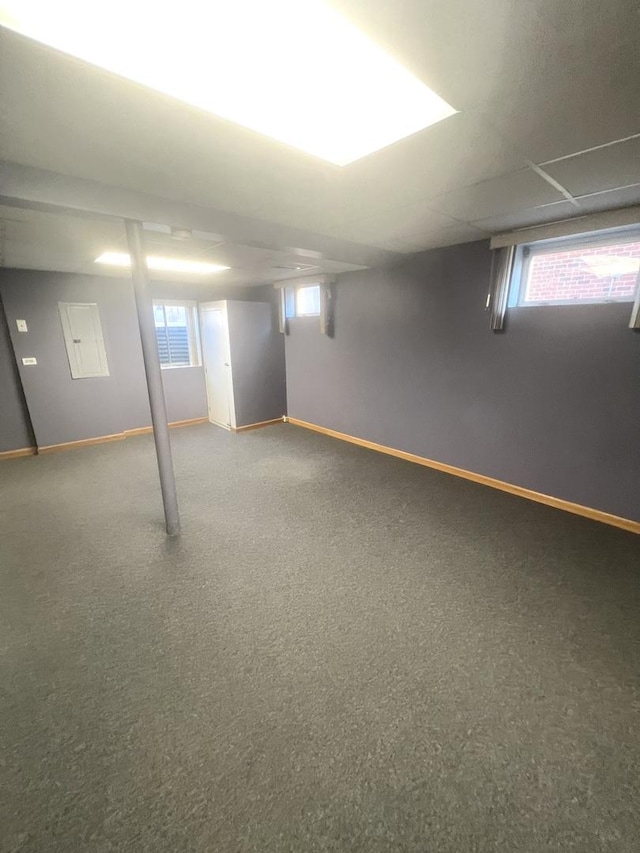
(217, 363)
(83, 339)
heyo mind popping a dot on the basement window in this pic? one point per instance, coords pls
(307, 301)
(177, 333)
(592, 269)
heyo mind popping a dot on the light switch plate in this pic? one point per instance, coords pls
(22, 325)
(29, 360)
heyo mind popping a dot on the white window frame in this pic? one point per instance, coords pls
(525, 252)
(193, 331)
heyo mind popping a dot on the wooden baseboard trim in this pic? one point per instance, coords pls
(146, 430)
(558, 503)
(84, 442)
(131, 433)
(118, 436)
(16, 454)
(190, 422)
(260, 424)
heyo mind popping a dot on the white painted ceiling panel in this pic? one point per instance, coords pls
(563, 107)
(610, 200)
(534, 81)
(454, 153)
(506, 194)
(524, 218)
(603, 169)
(551, 76)
(402, 247)
(460, 232)
(570, 78)
(394, 223)
(460, 48)
(79, 120)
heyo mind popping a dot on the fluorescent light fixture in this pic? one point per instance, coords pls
(294, 70)
(121, 259)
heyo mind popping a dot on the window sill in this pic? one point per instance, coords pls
(177, 366)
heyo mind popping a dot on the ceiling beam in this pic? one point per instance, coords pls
(39, 189)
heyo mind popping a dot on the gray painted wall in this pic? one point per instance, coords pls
(552, 403)
(15, 429)
(185, 393)
(63, 409)
(258, 363)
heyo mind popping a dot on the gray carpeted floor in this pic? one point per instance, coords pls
(343, 652)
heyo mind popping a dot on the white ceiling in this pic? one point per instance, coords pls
(539, 83)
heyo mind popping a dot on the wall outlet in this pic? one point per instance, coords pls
(22, 325)
(30, 360)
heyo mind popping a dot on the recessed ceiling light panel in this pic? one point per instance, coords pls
(122, 259)
(294, 70)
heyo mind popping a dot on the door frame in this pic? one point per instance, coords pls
(220, 305)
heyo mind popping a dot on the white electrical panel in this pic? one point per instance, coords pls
(83, 338)
(22, 325)
(27, 361)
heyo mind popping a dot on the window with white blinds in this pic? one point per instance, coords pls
(177, 333)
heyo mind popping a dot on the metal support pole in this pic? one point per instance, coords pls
(144, 305)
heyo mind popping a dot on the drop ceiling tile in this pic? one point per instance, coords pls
(569, 81)
(506, 194)
(140, 139)
(603, 169)
(540, 79)
(542, 131)
(294, 208)
(458, 151)
(460, 48)
(610, 200)
(392, 223)
(135, 137)
(460, 232)
(524, 218)
(401, 246)
(450, 154)
(555, 76)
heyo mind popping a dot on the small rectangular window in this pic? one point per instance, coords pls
(177, 333)
(583, 270)
(308, 301)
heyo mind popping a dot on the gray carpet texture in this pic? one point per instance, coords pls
(341, 652)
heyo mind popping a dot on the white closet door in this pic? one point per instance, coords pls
(83, 339)
(217, 363)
